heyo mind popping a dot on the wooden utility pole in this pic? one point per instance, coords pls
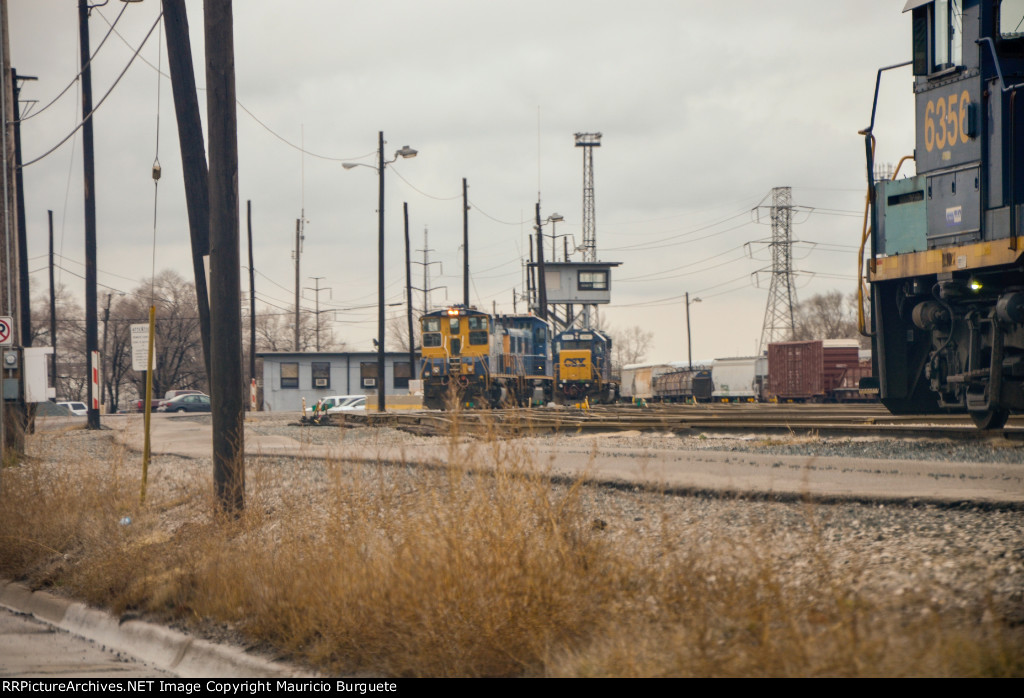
(298, 291)
(252, 296)
(542, 292)
(408, 291)
(89, 182)
(465, 244)
(19, 189)
(193, 156)
(53, 307)
(226, 384)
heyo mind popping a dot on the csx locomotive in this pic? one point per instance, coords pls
(946, 268)
(478, 360)
(583, 367)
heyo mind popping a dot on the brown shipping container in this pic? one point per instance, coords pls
(795, 370)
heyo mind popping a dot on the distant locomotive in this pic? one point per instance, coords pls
(945, 267)
(583, 367)
(479, 360)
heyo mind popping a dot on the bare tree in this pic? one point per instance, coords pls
(828, 315)
(71, 379)
(275, 331)
(630, 346)
(398, 331)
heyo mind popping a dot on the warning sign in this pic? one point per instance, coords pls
(140, 346)
(6, 331)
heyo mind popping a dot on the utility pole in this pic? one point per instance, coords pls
(408, 291)
(426, 273)
(252, 297)
(193, 156)
(465, 244)
(53, 307)
(317, 290)
(226, 386)
(19, 188)
(12, 432)
(89, 181)
(298, 253)
(542, 293)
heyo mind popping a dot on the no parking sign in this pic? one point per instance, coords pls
(6, 331)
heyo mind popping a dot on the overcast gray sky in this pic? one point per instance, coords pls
(704, 108)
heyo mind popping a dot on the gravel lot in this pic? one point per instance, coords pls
(947, 558)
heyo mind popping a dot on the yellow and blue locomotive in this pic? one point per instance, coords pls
(472, 359)
(583, 367)
(947, 257)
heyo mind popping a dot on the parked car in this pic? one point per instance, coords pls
(189, 402)
(340, 403)
(358, 404)
(76, 408)
(140, 405)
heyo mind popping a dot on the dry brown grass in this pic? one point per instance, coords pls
(459, 572)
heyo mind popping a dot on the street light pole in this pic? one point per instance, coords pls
(689, 347)
(405, 152)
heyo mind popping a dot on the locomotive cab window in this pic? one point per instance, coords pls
(453, 325)
(478, 331)
(938, 36)
(1011, 19)
(431, 339)
(432, 324)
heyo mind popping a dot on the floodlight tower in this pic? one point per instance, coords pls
(779, 321)
(589, 141)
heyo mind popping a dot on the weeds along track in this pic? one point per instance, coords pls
(825, 420)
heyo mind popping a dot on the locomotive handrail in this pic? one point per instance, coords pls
(869, 152)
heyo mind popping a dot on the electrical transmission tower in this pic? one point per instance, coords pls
(779, 320)
(589, 141)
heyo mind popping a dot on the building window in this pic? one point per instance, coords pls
(403, 372)
(321, 375)
(368, 374)
(593, 281)
(289, 375)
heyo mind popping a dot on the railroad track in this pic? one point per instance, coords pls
(833, 420)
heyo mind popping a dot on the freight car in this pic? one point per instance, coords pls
(583, 368)
(946, 266)
(638, 380)
(814, 371)
(473, 359)
(684, 385)
(739, 379)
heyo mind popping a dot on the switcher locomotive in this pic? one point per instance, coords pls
(472, 359)
(945, 268)
(583, 367)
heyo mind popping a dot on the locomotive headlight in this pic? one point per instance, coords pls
(974, 285)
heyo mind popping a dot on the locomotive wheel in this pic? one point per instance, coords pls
(992, 419)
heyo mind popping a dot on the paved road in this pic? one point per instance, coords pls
(606, 458)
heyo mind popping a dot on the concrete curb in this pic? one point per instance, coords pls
(160, 647)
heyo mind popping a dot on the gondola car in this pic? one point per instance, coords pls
(472, 359)
(583, 367)
(945, 268)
